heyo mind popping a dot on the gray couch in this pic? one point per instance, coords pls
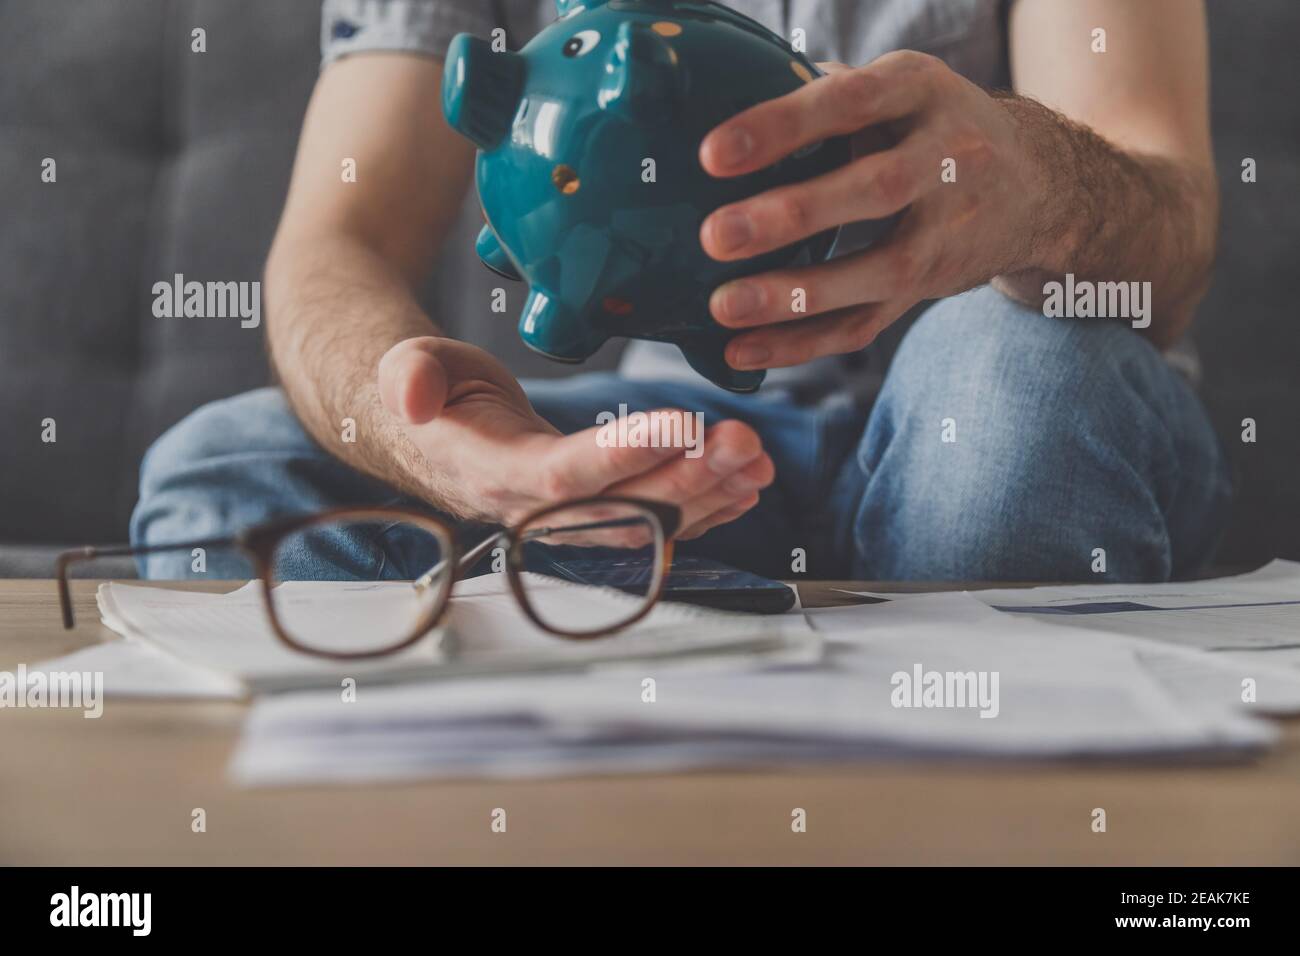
(170, 161)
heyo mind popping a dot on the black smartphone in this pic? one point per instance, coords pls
(690, 581)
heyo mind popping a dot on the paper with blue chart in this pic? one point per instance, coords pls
(1259, 611)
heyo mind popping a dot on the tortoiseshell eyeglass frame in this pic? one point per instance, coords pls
(260, 542)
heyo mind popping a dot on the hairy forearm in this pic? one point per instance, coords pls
(334, 307)
(1107, 215)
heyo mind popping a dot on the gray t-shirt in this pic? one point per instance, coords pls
(970, 35)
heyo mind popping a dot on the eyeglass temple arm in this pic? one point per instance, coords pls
(67, 558)
(473, 554)
(587, 526)
(466, 560)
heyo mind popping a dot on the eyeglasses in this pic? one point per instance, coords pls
(626, 542)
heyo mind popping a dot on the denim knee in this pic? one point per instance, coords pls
(1007, 445)
(247, 424)
(228, 465)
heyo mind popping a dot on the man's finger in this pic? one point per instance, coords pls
(729, 447)
(795, 343)
(412, 382)
(873, 187)
(587, 463)
(889, 88)
(723, 516)
(891, 270)
(735, 496)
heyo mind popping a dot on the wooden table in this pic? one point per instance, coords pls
(121, 790)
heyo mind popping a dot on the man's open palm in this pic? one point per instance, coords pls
(473, 423)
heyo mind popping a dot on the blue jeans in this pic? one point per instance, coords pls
(1003, 446)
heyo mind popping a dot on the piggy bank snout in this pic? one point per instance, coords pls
(481, 89)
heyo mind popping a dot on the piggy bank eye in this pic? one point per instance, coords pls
(582, 43)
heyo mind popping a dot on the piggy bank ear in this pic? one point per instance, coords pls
(565, 7)
(481, 89)
(642, 72)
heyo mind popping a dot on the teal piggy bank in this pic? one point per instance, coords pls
(589, 176)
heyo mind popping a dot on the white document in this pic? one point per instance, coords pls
(488, 628)
(1259, 611)
(1249, 684)
(1256, 682)
(133, 669)
(228, 634)
(1276, 582)
(1249, 612)
(937, 608)
(529, 750)
(1059, 693)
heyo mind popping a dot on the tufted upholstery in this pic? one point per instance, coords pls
(172, 161)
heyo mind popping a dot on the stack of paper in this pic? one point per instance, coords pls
(1010, 674)
(1195, 677)
(884, 690)
(228, 636)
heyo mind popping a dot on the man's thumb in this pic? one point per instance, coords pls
(412, 382)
